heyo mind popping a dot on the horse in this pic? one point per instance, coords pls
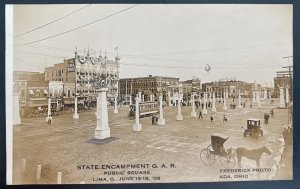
(254, 154)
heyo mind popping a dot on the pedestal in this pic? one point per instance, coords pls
(193, 113)
(137, 126)
(161, 120)
(214, 103)
(102, 130)
(179, 117)
(224, 106)
(16, 109)
(281, 98)
(75, 115)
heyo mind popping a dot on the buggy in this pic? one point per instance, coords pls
(216, 151)
(253, 128)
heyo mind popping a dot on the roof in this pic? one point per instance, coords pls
(218, 139)
(253, 119)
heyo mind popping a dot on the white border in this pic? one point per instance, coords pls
(9, 90)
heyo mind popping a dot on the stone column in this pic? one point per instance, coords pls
(287, 96)
(224, 105)
(76, 115)
(49, 117)
(116, 105)
(204, 104)
(16, 109)
(102, 130)
(161, 120)
(254, 97)
(258, 98)
(240, 100)
(193, 113)
(214, 103)
(281, 98)
(226, 94)
(179, 117)
(137, 126)
(151, 98)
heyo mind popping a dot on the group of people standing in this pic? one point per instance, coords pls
(267, 116)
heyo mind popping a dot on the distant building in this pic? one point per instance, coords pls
(151, 85)
(283, 79)
(87, 72)
(189, 86)
(29, 76)
(33, 92)
(232, 86)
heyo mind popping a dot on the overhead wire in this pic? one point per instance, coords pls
(51, 22)
(76, 28)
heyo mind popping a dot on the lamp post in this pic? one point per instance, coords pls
(179, 116)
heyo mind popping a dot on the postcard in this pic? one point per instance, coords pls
(149, 93)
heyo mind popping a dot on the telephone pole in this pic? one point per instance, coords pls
(290, 75)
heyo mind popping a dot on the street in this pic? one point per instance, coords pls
(62, 146)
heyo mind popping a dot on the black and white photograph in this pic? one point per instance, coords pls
(148, 93)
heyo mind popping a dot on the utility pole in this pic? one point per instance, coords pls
(290, 75)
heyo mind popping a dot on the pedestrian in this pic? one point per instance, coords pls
(272, 112)
(200, 115)
(267, 117)
(211, 118)
(224, 119)
(250, 105)
(153, 119)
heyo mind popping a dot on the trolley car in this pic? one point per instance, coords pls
(145, 109)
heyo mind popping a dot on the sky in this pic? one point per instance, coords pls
(243, 42)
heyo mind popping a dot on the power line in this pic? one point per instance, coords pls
(39, 27)
(79, 27)
(201, 65)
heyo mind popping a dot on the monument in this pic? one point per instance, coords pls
(137, 126)
(161, 120)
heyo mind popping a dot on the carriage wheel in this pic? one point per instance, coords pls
(227, 161)
(206, 157)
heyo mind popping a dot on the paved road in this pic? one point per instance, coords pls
(62, 146)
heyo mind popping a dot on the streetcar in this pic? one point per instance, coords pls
(145, 109)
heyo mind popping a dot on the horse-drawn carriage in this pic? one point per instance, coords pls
(253, 128)
(216, 151)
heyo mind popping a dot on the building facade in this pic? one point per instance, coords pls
(233, 87)
(86, 72)
(283, 79)
(151, 85)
